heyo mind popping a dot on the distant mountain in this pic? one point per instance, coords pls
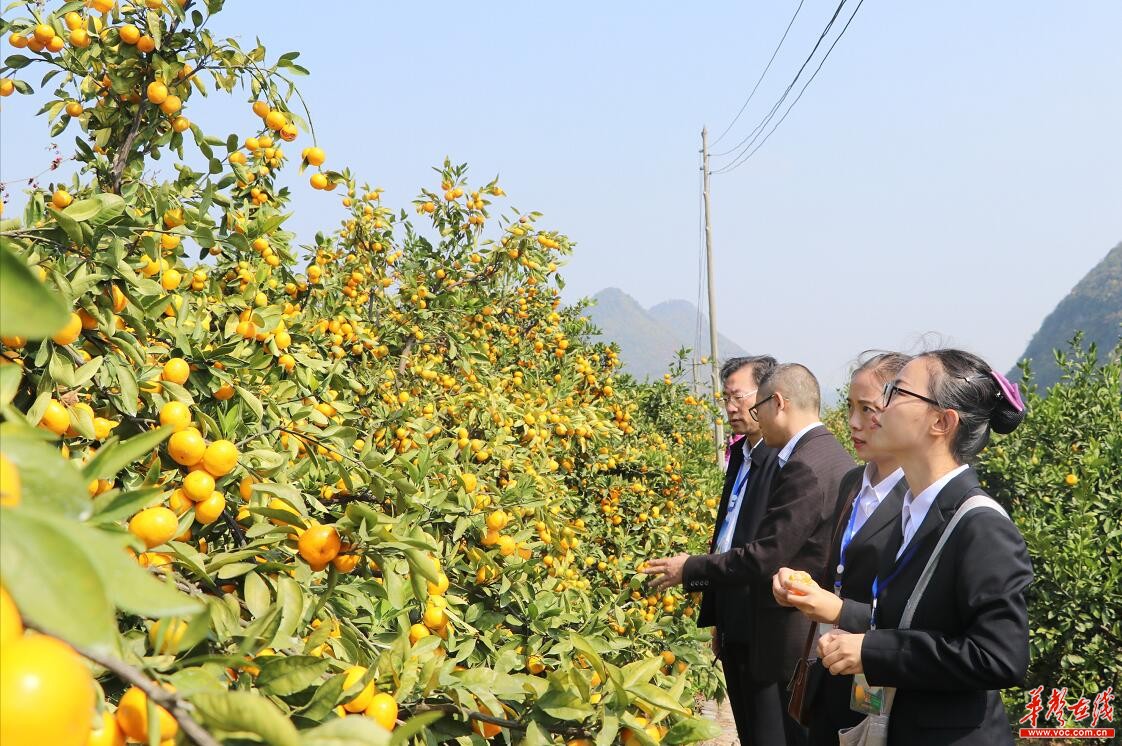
(650, 338)
(1094, 306)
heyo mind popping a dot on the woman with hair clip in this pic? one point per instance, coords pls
(968, 636)
(869, 503)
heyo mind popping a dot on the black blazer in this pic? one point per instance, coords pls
(830, 706)
(794, 530)
(969, 635)
(728, 608)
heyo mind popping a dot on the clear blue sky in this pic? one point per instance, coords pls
(954, 168)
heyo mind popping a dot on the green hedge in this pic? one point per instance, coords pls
(1061, 472)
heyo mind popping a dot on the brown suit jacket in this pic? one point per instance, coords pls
(794, 531)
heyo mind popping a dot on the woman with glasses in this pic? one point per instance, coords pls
(968, 637)
(870, 499)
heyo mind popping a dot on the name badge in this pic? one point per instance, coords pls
(866, 698)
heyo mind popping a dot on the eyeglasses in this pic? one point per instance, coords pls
(755, 411)
(735, 399)
(892, 388)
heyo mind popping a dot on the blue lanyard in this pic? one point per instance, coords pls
(847, 537)
(913, 547)
(737, 486)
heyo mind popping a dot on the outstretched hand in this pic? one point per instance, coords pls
(667, 571)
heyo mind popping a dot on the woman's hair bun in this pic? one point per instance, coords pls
(1004, 419)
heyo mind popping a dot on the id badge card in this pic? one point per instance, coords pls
(866, 698)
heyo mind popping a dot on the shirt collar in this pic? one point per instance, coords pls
(920, 504)
(787, 450)
(881, 489)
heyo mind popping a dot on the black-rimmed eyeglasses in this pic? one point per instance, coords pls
(892, 388)
(755, 411)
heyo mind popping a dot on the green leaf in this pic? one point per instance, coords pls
(692, 730)
(27, 307)
(657, 697)
(640, 672)
(49, 481)
(113, 505)
(348, 731)
(285, 675)
(116, 455)
(242, 712)
(10, 376)
(53, 582)
(130, 588)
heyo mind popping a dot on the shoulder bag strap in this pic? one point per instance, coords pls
(975, 501)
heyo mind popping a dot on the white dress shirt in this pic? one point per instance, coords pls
(916, 508)
(732, 512)
(871, 495)
(785, 452)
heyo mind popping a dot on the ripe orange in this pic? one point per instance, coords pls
(80, 38)
(106, 732)
(318, 181)
(171, 104)
(209, 510)
(46, 693)
(55, 418)
(130, 34)
(74, 109)
(176, 369)
(315, 156)
(497, 520)
(434, 618)
(157, 92)
(487, 730)
(177, 414)
(799, 577)
(345, 563)
(383, 710)
(224, 392)
(181, 124)
(198, 485)
(132, 716)
(353, 676)
(418, 632)
(260, 108)
(7, 87)
(154, 526)
(19, 41)
(43, 33)
(164, 635)
(102, 6)
(274, 120)
(11, 626)
(440, 586)
(10, 492)
(72, 20)
(69, 333)
(220, 457)
(470, 482)
(319, 545)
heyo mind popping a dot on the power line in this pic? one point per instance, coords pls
(761, 78)
(744, 157)
(754, 134)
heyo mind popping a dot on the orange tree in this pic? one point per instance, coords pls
(379, 489)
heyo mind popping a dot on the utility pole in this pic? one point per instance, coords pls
(718, 425)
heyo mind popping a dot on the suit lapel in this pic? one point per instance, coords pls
(752, 512)
(887, 512)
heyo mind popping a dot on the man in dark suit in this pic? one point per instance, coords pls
(747, 478)
(793, 530)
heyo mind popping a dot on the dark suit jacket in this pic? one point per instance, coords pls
(969, 636)
(830, 706)
(728, 608)
(794, 531)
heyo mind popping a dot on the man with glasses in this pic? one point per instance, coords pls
(747, 476)
(793, 530)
